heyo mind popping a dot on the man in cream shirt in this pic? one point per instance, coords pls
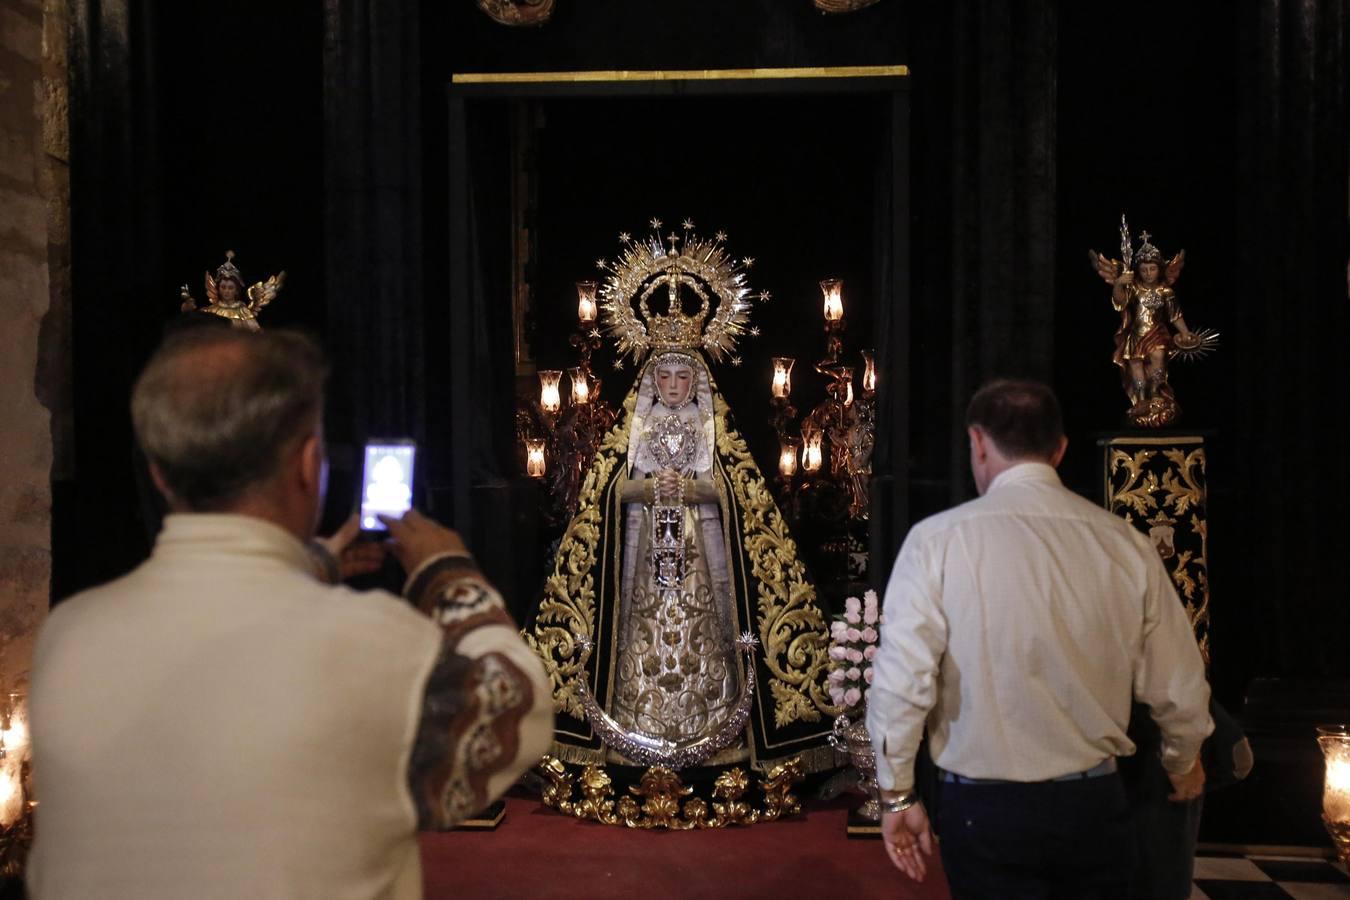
(1019, 626)
(221, 722)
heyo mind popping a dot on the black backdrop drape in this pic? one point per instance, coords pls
(317, 141)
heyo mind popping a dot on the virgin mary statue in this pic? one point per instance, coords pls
(678, 557)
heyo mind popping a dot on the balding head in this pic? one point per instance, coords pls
(216, 411)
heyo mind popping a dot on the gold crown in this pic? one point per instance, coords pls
(677, 262)
(674, 332)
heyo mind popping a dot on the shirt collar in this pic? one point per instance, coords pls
(1024, 471)
(215, 534)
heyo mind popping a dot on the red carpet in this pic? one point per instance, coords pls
(536, 852)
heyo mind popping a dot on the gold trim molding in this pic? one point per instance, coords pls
(639, 75)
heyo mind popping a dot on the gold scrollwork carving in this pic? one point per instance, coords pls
(1170, 480)
(661, 800)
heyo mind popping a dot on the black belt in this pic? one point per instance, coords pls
(1105, 767)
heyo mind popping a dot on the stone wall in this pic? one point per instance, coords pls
(34, 314)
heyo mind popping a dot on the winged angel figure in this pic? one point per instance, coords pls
(227, 298)
(1152, 329)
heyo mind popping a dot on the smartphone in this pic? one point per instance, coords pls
(386, 480)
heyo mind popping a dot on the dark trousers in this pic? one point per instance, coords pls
(1053, 839)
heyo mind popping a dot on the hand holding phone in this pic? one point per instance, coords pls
(386, 481)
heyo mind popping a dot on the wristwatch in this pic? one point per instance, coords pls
(898, 804)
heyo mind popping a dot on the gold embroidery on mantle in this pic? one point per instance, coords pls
(791, 628)
(567, 611)
(661, 800)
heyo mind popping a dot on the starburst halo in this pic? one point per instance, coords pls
(642, 274)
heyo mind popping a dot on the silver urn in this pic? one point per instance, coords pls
(852, 740)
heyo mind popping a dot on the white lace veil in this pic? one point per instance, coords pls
(639, 456)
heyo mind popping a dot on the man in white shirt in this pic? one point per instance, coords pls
(1019, 627)
(220, 722)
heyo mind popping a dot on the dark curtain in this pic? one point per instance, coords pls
(984, 233)
(116, 230)
(1288, 288)
(373, 218)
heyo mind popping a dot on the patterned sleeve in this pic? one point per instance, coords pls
(487, 713)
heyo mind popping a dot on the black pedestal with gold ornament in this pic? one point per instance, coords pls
(1157, 482)
(487, 820)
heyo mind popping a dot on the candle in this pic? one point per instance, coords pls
(549, 398)
(782, 377)
(846, 386)
(869, 379)
(581, 387)
(534, 457)
(787, 457)
(812, 455)
(833, 289)
(586, 302)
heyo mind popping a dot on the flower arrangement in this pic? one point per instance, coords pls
(853, 644)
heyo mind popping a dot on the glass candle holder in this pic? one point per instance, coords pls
(581, 386)
(550, 400)
(869, 378)
(534, 457)
(813, 454)
(787, 457)
(1335, 743)
(782, 377)
(833, 290)
(586, 305)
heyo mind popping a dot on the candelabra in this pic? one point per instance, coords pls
(841, 427)
(559, 437)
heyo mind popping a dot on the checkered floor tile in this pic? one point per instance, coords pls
(1268, 878)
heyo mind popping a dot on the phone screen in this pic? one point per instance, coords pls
(386, 482)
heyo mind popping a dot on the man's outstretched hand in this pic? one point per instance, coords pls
(909, 840)
(414, 539)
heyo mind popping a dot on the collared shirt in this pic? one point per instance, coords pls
(1019, 625)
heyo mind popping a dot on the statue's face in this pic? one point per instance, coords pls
(1148, 272)
(228, 291)
(673, 383)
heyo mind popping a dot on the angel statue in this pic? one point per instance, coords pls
(1152, 329)
(226, 297)
(678, 562)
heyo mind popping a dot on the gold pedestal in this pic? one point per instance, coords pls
(1157, 483)
(660, 800)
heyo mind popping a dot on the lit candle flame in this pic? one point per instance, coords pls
(787, 458)
(534, 457)
(782, 377)
(549, 398)
(581, 388)
(586, 307)
(812, 454)
(833, 289)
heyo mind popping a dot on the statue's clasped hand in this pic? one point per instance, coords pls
(667, 484)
